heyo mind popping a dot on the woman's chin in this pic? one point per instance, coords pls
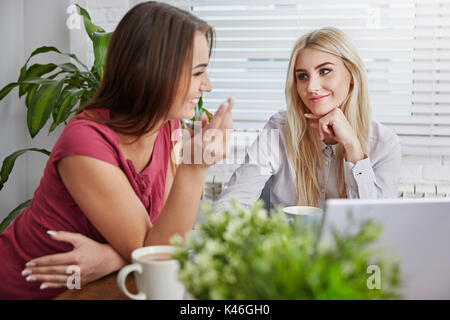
(190, 115)
(185, 115)
(320, 112)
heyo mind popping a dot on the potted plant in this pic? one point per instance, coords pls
(53, 92)
(247, 254)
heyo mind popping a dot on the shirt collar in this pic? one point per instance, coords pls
(328, 150)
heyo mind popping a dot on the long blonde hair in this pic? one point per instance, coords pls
(303, 146)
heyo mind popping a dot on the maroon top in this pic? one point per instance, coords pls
(53, 208)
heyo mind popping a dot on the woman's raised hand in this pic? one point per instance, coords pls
(334, 126)
(209, 141)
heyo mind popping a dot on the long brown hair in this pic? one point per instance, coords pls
(148, 65)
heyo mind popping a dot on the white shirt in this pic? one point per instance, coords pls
(376, 176)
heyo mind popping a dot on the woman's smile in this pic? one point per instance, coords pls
(316, 99)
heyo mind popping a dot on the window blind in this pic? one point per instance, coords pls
(405, 46)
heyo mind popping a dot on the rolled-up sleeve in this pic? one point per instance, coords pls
(375, 178)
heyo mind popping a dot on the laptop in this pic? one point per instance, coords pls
(416, 231)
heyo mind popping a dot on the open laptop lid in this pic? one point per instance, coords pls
(417, 231)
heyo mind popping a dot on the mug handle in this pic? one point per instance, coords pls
(122, 276)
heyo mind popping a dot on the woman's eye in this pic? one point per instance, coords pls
(325, 71)
(198, 74)
(302, 76)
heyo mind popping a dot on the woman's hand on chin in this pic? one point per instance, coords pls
(334, 126)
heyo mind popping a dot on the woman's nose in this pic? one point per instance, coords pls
(206, 84)
(313, 84)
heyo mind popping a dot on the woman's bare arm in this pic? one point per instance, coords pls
(103, 193)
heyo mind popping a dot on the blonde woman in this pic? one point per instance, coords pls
(325, 145)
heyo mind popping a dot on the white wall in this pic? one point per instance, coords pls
(12, 128)
(24, 26)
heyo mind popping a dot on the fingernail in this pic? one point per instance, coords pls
(43, 286)
(30, 264)
(26, 272)
(52, 233)
(31, 278)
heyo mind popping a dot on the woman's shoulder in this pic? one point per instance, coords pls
(84, 136)
(85, 125)
(382, 137)
(276, 121)
(380, 132)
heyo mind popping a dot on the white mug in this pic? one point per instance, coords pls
(155, 280)
(309, 215)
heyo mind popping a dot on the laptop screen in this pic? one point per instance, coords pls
(415, 231)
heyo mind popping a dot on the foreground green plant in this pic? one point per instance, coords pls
(244, 254)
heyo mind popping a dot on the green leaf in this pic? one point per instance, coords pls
(8, 163)
(36, 70)
(209, 114)
(92, 81)
(40, 81)
(13, 214)
(39, 50)
(88, 25)
(53, 49)
(68, 102)
(30, 95)
(6, 89)
(199, 110)
(69, 67)
(77, 80)
(45, 49)
(85, 97)
(66, 90)
(41, 106)
(74, 57)
(100, 42)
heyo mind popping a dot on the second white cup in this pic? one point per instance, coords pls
(308, 215)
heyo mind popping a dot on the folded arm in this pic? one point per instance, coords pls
(104, 194)
(374, 180)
